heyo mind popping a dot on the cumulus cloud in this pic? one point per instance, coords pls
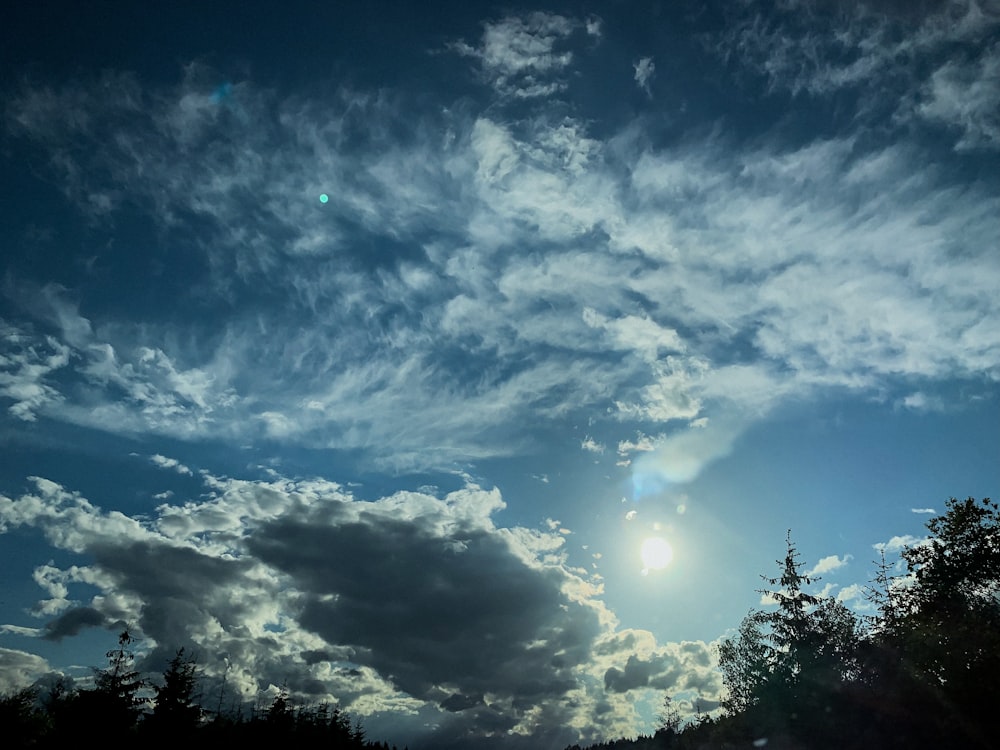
(920, 401)
(411, 601)
(828, 564)
(898, 543)
(672, 669)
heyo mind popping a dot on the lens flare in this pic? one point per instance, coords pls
(323, 197)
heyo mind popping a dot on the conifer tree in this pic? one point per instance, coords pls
(175, 710)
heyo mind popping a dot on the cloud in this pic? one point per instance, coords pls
(72, 622)
(929, 511)
(899, 543)
(409, 603)
(170, 463)
(644, 71)
(673, 668)
(26, 362)
(865, 49)
(920, 401)
(522, 57)
(828, 564)
(19, 669)
(962, 95)
(682, 282)
(592, 446)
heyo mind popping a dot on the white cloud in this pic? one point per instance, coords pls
(522, 57)
(930, 511)
(899, 543)
(868, 49)
(170, 463)
(641, 443)
(19, 669)
(680, 457)
(855, 597)
(542, 270)
(26, 361)
(644, 71)
(919, 401)
(963, 95)
(592, 446)
(828, 564)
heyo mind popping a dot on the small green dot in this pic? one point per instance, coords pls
(323, 197)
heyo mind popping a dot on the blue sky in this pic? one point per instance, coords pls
(584, 275)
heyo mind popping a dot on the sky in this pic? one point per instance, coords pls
(360, 348)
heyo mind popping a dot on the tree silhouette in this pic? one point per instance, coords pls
(175, 712)
(786, 670)
(21, 721)
(950, 627)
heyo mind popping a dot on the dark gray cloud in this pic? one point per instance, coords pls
(430, 608)
(636, 674)
(72, 622)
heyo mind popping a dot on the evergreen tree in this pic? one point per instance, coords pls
(786, 671)
(175, 711)
(119, 684)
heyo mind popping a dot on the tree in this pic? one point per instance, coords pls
(175, 711)
(670, 724)
(110, 710)
(745, 662)
(119, 684)
(949, 628)
(786, 669)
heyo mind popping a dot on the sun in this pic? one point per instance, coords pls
(656, 553)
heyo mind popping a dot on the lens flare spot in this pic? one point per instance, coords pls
(324, 198)
(656, 553)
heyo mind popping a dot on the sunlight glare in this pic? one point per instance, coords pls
(656, 553)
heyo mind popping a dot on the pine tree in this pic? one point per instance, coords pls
(175, 711)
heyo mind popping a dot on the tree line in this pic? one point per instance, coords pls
(122, 708)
